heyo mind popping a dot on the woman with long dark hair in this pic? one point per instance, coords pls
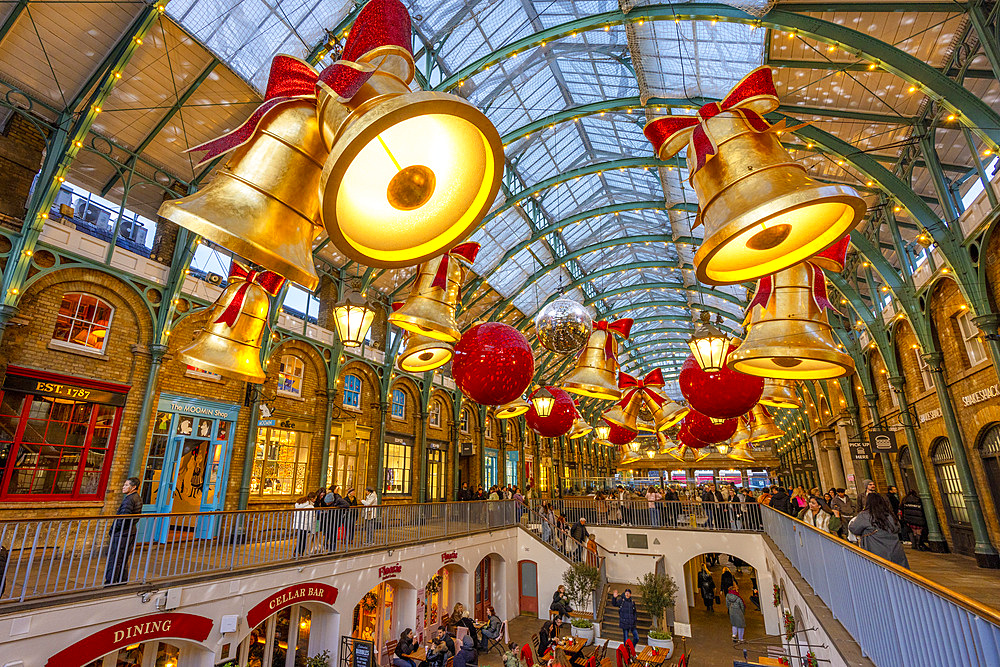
(404, 647)
(878, 531)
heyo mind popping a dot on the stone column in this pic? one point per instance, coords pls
(986, 554)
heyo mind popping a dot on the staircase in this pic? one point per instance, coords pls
(608, 615)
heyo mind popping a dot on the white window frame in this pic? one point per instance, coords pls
(401, 403)
(296, 364)
(434, 414)
(76, 346)
(350, 405)
(974, 347)
(925, 371)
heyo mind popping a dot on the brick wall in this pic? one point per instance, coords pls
(21, 150)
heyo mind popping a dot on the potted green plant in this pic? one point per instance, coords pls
(658, 594)
(581, 581)
(319, 660)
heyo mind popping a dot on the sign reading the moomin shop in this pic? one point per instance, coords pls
(133, 631)
(286, 597)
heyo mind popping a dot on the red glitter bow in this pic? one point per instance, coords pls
(754, 95)
(635, 386)
(382, 30)
(269, 281)
(465, 252)
(622, 327)
(765, 287)
(835, 256)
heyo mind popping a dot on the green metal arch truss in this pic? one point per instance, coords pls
(969, 109)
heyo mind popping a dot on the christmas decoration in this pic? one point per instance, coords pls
(780, 394)
(643, 401)
(762, 213)
(596, 369)
(789, 625)
(619, 435)
(230, 343)
(513, 409)
(811, 660)
(430, 308)
(834, 257)
(702, 428)
(724, 394)
(353, 318)
(764, 427)
(789, 335)
(580, 428)
(563, 326)
(709, 344)
(688, 439)
(421, 353)
(777, 595)
(493, 363)
(560, 420)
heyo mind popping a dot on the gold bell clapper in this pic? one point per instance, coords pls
(780, 394)
(596, 369)
(410, 173)
(790, 337)
(230, 344)
(515, 408)
(263, 204)
(762, 213)
(430, 308)
(764, 428)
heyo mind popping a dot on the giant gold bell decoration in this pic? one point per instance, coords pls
(780, 394)
(423, 353)
(764, 427)
(580, 428)
(430, 309)
(743, 433)
(761, 212)
(741, 453)
(596, 369)
(645, 395)
(790, 336)
(516, 407)
(410, 173)
(230, 344)
(262, 204)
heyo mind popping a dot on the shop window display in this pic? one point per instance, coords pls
(282, 639)
(398, 404)
(83, 322)
(280, 460)
(352, 391)
(398, 466)
(290, 376)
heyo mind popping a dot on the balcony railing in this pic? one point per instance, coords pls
(45, 558)
(679, 514)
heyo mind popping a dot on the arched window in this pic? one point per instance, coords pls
(398, 404)
(83, 322)
(464, 421)
(489, 428)
(352, 391)
(906, 468)
(290, 376)
(951, 496)
(989, 450)
(434, 414)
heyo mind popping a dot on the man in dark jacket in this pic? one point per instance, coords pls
(442, 648)
(579, 533)
(122, 534)
(780, 501)
(464, 494)
(912, 511)
(710, 497)
(842, 502)
(626, 614)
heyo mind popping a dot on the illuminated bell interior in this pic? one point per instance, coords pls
(408, 177)
(515, 408)
(780, 394)
(580, 429)
(422, 353)
(353, 318)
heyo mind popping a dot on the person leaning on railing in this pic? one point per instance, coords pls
(122, 534)
(878, 531)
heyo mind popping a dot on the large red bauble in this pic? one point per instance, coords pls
(560, 420)
(724, 394)
(685, 438)
(619, 435)
(493, 363)
(701, 428)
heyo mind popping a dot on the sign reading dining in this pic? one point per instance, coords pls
(286, 597)
(134, 631)
(389, 571)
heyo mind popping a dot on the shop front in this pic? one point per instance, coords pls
(437, 468)
(156, 640)
(281, 459)
(491, 468)
(398, 464)
(678, 477)
(57, 435)
(511, 468)
(187, 463)
(731, 477)
(385, 610)
(347, 463)
(758, 479)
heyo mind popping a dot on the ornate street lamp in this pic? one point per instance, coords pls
(709, 345)
(543, 402)
(353, 318)
(602, 431)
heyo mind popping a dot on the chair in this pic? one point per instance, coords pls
(621, 656)
(390, 648)
(561, 658)
(533, 644)
(460, 632)
(630, 650)
(498, 642)
(527, 655)
(603, 653)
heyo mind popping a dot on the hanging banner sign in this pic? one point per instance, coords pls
(860, 451)
(883, 441)
(286, 597)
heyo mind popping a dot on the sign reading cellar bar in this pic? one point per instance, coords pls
(286, 597)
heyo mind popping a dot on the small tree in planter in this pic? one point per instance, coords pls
(581, 581)
(658, 595)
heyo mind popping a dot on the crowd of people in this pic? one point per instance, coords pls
(495, 492)
(442, 644)
(324, 532)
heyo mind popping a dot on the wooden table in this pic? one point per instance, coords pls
(651, 656)
(418, 656)
(572, 648)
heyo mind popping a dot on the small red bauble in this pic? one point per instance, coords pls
(493, 363)
(560, 420)
(701, 428)
(619, 435)
(724, 394)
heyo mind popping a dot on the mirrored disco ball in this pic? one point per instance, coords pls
(563, 326)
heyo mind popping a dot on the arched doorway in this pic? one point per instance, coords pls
(714, 626)
(281, 640)
(483, 590)
(955, 510)
(989, 450)
(383, 612)
(909, 480)
(435, 602)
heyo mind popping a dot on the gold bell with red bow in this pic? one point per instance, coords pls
(764, 428)
(230, 344)
(410, 173)
(762, 213)
(596, 370)
(422, 353)
(263, 203)
(780, 394)
(430, 308)
(790, 337)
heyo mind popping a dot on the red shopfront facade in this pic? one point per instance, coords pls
(57, 435)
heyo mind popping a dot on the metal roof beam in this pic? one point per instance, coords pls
(863, 67)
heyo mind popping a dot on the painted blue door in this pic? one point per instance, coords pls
(490, 468)
(510, 468)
